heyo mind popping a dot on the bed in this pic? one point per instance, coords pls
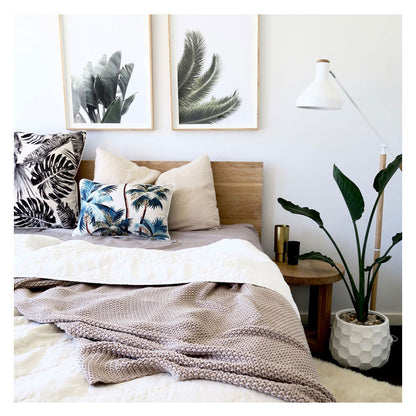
(217, 321)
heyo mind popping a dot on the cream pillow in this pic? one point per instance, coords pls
(110, 168)
(194, 203)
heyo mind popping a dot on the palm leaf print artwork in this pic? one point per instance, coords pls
(194, 86)
(99, 94)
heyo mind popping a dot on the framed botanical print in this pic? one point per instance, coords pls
(214, 71)
(107, 71)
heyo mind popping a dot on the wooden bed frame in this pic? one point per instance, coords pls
(238, 185)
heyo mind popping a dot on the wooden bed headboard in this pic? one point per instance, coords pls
(238, 185)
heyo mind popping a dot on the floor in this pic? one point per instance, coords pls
(390, 372)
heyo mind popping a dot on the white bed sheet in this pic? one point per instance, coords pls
(47, 370)
(46, 366)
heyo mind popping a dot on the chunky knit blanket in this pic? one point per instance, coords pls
(241, 334)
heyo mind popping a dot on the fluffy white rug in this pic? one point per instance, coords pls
(348, 386)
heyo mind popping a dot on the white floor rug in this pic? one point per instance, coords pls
(348, 386)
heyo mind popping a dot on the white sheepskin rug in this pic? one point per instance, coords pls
(349, 386)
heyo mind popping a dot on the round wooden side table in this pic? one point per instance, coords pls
(319, 276)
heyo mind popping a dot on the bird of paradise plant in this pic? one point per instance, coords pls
(360, 296)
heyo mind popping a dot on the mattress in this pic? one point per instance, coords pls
(179, 239)
(45, 354)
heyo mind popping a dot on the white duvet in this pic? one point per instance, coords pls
(46, 367)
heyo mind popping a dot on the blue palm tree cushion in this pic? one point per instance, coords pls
(124, 210)
(44, 179)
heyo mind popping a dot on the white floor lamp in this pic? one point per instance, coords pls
(321, 95)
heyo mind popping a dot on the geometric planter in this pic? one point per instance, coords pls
(360, 346)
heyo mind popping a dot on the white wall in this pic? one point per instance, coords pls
(298, 147)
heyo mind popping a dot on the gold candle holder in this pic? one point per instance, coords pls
(281, 237)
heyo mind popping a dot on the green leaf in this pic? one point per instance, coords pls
(126, 104)
(88, 87)
(397, 238)
(383, 177)
(124, 79)
(379, 260)
(88, 98)
(190, 65)
(203, 85)
(99, 89)
(100, 66)
(109, 78)
(93, 114)
(193, 88)
(210, 111)
(382, 259)
(315, 255)
(113, 112)
(296, 209)
(351, 194)
(77, 89)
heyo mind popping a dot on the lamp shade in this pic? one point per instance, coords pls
(321, 94)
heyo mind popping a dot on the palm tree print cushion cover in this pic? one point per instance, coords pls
(125, 209)
(44, 179)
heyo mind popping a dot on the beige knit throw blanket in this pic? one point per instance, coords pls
(241, 334)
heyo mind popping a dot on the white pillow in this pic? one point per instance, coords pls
(194, 203)
(110, 168)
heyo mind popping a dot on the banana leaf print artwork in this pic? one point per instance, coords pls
(122, 210)
(194, 86)
(99, 95)
(107, 71)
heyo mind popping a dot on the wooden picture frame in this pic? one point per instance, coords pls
(107, 71)
(220, 92)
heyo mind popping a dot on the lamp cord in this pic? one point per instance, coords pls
(382, 141)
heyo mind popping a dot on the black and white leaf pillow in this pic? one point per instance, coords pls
(44, 179)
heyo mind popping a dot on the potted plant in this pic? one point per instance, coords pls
(352, 341)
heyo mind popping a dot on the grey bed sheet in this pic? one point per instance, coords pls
(179, 239)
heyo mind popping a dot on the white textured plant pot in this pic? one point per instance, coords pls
(360, 346)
